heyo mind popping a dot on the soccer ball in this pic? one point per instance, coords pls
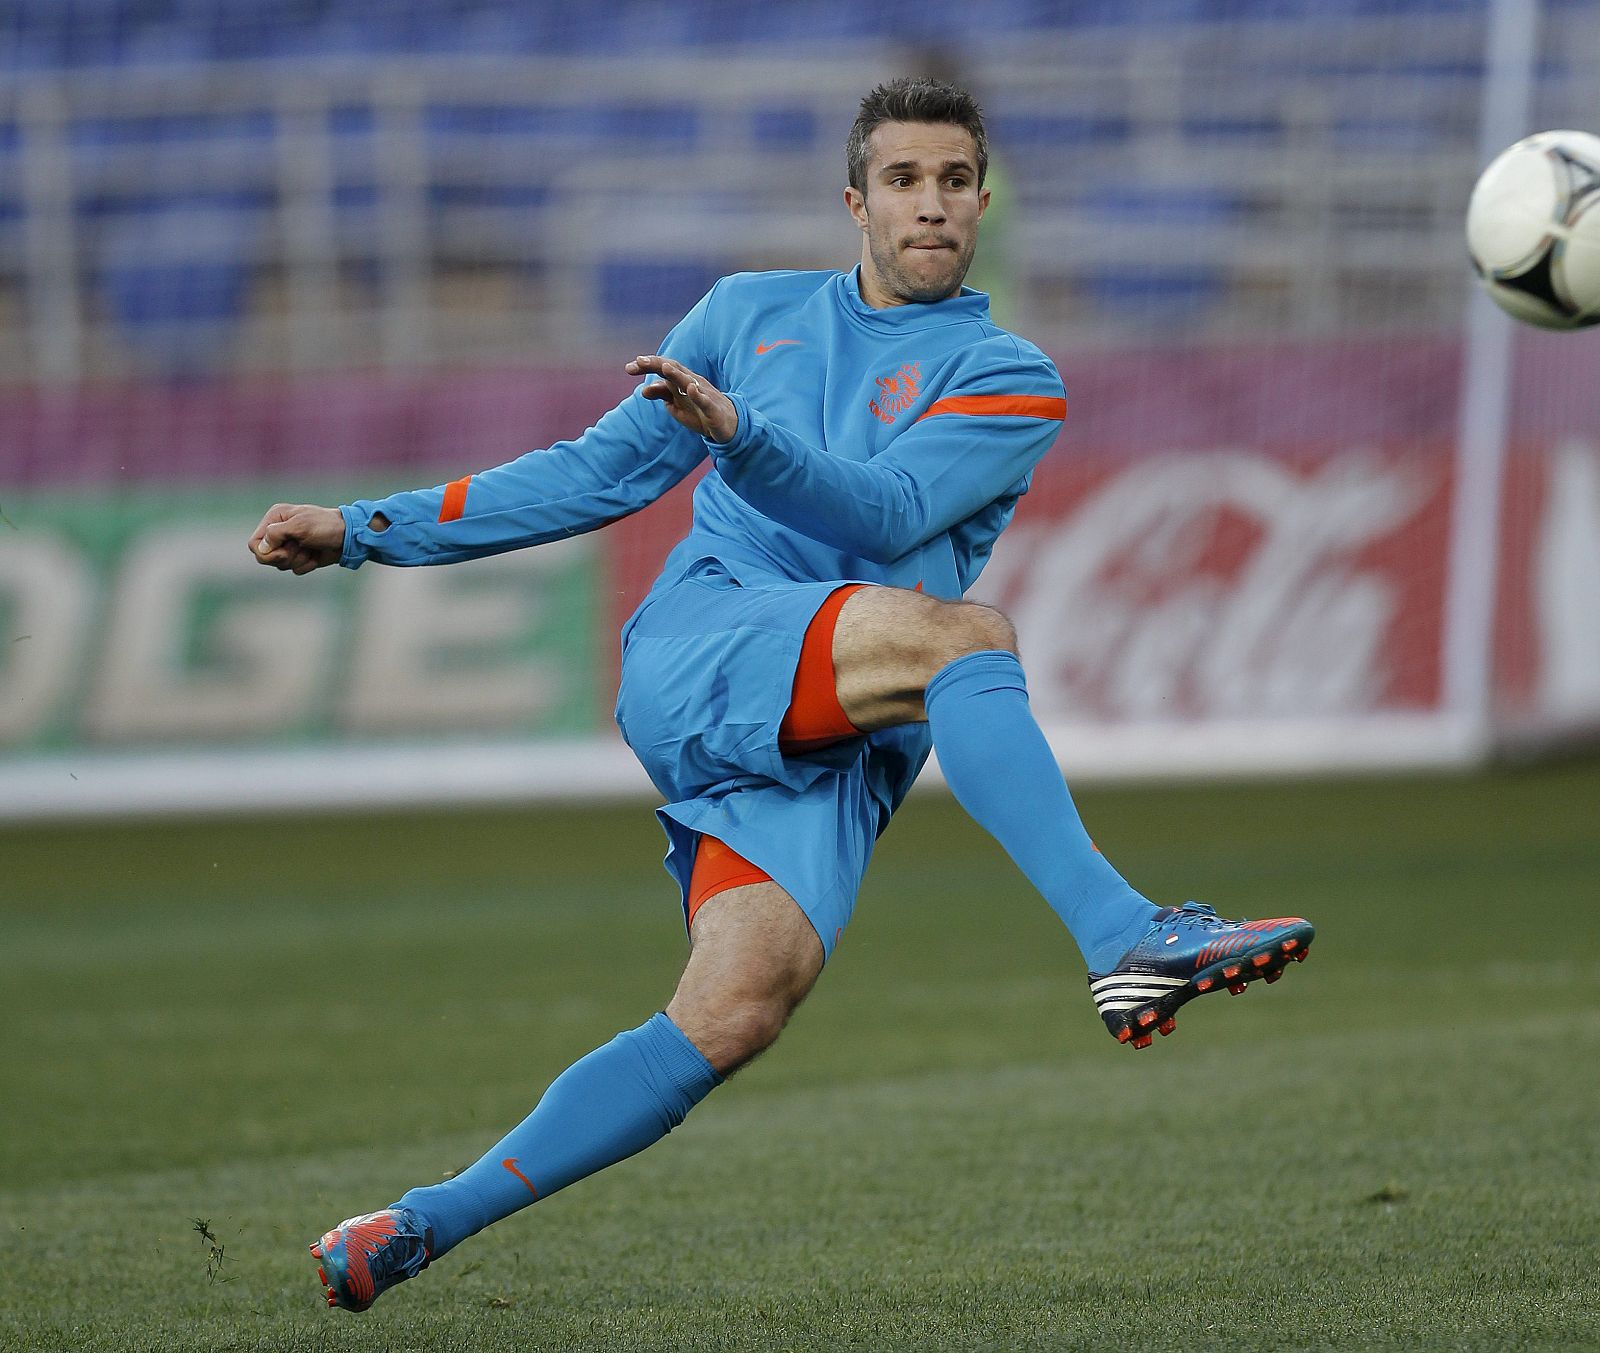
(1533, 227)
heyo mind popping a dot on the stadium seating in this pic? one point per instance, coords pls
(47, 33)
(1158, 152)
(176, 275)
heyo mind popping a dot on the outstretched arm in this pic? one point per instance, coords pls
(627, 460)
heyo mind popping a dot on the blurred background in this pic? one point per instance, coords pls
(1315, 506)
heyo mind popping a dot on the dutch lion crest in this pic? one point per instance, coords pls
(897, 393)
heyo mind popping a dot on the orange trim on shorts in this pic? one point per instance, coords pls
(718, 868)
(999, 406)
(815, 718)
(455, 499)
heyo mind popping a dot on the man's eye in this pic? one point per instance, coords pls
(899, 181)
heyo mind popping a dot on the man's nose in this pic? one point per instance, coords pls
(931, 208)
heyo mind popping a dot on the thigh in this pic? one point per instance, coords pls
(881, 655)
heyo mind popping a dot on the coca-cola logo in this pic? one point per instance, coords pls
(1219, 584)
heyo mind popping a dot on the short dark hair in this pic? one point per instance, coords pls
(913, 98)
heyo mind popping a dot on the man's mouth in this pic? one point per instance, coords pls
(930, 245)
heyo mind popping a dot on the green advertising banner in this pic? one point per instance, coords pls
(138, 620)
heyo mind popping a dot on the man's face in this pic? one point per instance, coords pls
(920, 212)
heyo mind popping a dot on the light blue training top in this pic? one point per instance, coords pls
(884, 445)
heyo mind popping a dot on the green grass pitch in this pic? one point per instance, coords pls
(267, 1025)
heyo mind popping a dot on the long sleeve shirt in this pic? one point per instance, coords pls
(886, 445)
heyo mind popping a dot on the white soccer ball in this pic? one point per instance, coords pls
(1533, 227)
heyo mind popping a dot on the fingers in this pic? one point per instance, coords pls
(653, 362)
(677, 384)
(691, 399)
(677, 377)
(295, 538)
(296, 560)
(694, 395)
(271, 534)
(277, 542)
(276, 513)
(290, 558)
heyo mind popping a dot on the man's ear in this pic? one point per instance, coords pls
(856, 201)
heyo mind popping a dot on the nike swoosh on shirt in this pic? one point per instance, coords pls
(777, 343)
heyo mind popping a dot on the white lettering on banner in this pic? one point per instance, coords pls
(1120, 617)
(46, 591)
(1567, 586)
(264, 656)
(412, 620)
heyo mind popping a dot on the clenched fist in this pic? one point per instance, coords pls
(298, 537)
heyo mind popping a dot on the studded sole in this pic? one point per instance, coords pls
(322, 1277)
(327, 1287)
(1137, 1027)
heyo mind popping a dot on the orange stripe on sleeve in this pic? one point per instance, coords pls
(455, 499)
(1002, 406)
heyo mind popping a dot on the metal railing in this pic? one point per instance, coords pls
(1201, 181)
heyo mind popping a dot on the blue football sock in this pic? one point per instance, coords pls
(603, 1108)
(1004, 774)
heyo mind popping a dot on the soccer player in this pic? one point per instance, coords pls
(806, 644)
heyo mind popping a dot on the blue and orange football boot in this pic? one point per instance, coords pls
(363, 1257)
(1189, 951)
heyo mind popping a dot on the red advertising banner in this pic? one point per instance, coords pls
(1221, 534)
(1242, 583)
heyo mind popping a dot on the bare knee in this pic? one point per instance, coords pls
(889, 644)
(754, 958)
(732, 1034)
(970, 627)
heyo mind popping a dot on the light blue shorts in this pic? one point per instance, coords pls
(707, 672)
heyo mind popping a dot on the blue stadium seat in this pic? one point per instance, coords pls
(10, 194)
(61, 33)
(1022, 132)
(164, 45)
(1171, 293)
(175, 278)
(1389, 132)
(1116, 13)
(1168, 286)
(510, 196)
(660, 126)
(1164, 203)
(114, 146)
(631, 288)
(781, 128)
(520, 30)
(1234, 128)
